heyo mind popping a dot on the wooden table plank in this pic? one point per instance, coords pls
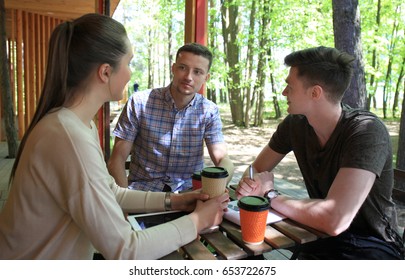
(175, 255)
(294, 232)
(197, 251)
(277, 239)
(224, 247)
(233, 232)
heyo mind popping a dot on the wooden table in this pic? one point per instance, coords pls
(227, 243)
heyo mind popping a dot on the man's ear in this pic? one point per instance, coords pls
(207, 77)
(317, 91)
(104, 72)
(172, 68)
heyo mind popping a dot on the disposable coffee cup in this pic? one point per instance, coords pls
(253, 211)
(214, 180)
(196, 180)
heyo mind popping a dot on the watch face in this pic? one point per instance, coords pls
(272, 194)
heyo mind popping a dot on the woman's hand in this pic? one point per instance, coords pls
(187, 201)
(209, 213)
(258, 186)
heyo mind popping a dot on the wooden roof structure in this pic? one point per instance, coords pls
(60, 9)
(29, 24)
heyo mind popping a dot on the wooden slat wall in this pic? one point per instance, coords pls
(27, 50)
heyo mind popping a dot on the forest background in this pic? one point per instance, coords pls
(250, 38)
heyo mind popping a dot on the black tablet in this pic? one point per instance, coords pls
(147, 220)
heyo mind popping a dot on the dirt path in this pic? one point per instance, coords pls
(244, 144)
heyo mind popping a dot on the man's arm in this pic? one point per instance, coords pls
(219, 155)
(335, 213)
(331, 215)
(116, 163)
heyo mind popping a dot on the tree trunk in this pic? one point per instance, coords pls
(346, 27)
(374, 57)
(150, 70)
(397, 88)
(394, 39)
(276, 105)
(249, 64)
(401, 143)
(169, 46)
(230, 30)
(5, 88)
(386, 87)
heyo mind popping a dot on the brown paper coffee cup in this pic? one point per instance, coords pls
(214, 180)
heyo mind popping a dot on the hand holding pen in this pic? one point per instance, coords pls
(251, 172)
(246, 186)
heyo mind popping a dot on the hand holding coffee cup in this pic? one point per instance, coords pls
(214, 180)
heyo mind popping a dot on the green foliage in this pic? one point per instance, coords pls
(292, 25)
(147, 24)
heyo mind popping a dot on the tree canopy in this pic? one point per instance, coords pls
(250, 38)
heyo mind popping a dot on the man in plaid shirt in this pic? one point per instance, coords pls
(164, 129)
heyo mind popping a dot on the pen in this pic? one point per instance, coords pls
(251, 172)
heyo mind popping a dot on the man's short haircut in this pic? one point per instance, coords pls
(327, 67)
(197, 49)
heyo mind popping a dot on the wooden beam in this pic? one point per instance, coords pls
(31, 66)
(37, 58)
(26, 86)
(55, 8)
(19, 69)
(196, 25)
(201, 20)
(13, 59)
(196, 22)
(190, 22)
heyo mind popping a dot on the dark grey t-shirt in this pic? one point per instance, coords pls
(360, 140)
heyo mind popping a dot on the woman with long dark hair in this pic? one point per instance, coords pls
(63, 204)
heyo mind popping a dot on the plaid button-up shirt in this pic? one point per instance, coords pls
(167, 142)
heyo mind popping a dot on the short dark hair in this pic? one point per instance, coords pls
(328, 67)
(197, 49)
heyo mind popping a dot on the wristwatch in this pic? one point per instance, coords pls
(168, 201)
(271, 194)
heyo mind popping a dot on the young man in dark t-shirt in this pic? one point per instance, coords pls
(345, 157)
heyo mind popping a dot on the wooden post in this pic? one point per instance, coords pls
(26, 87)
(19, 80)
(38, 68)
(201, 22)
(196, 22)
(196, 25)
(189, 26)
(31, 66)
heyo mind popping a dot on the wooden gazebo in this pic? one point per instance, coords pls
(29, 24)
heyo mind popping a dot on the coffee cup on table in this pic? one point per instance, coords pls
(196, 180)
(253, 211)
(214, 180)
